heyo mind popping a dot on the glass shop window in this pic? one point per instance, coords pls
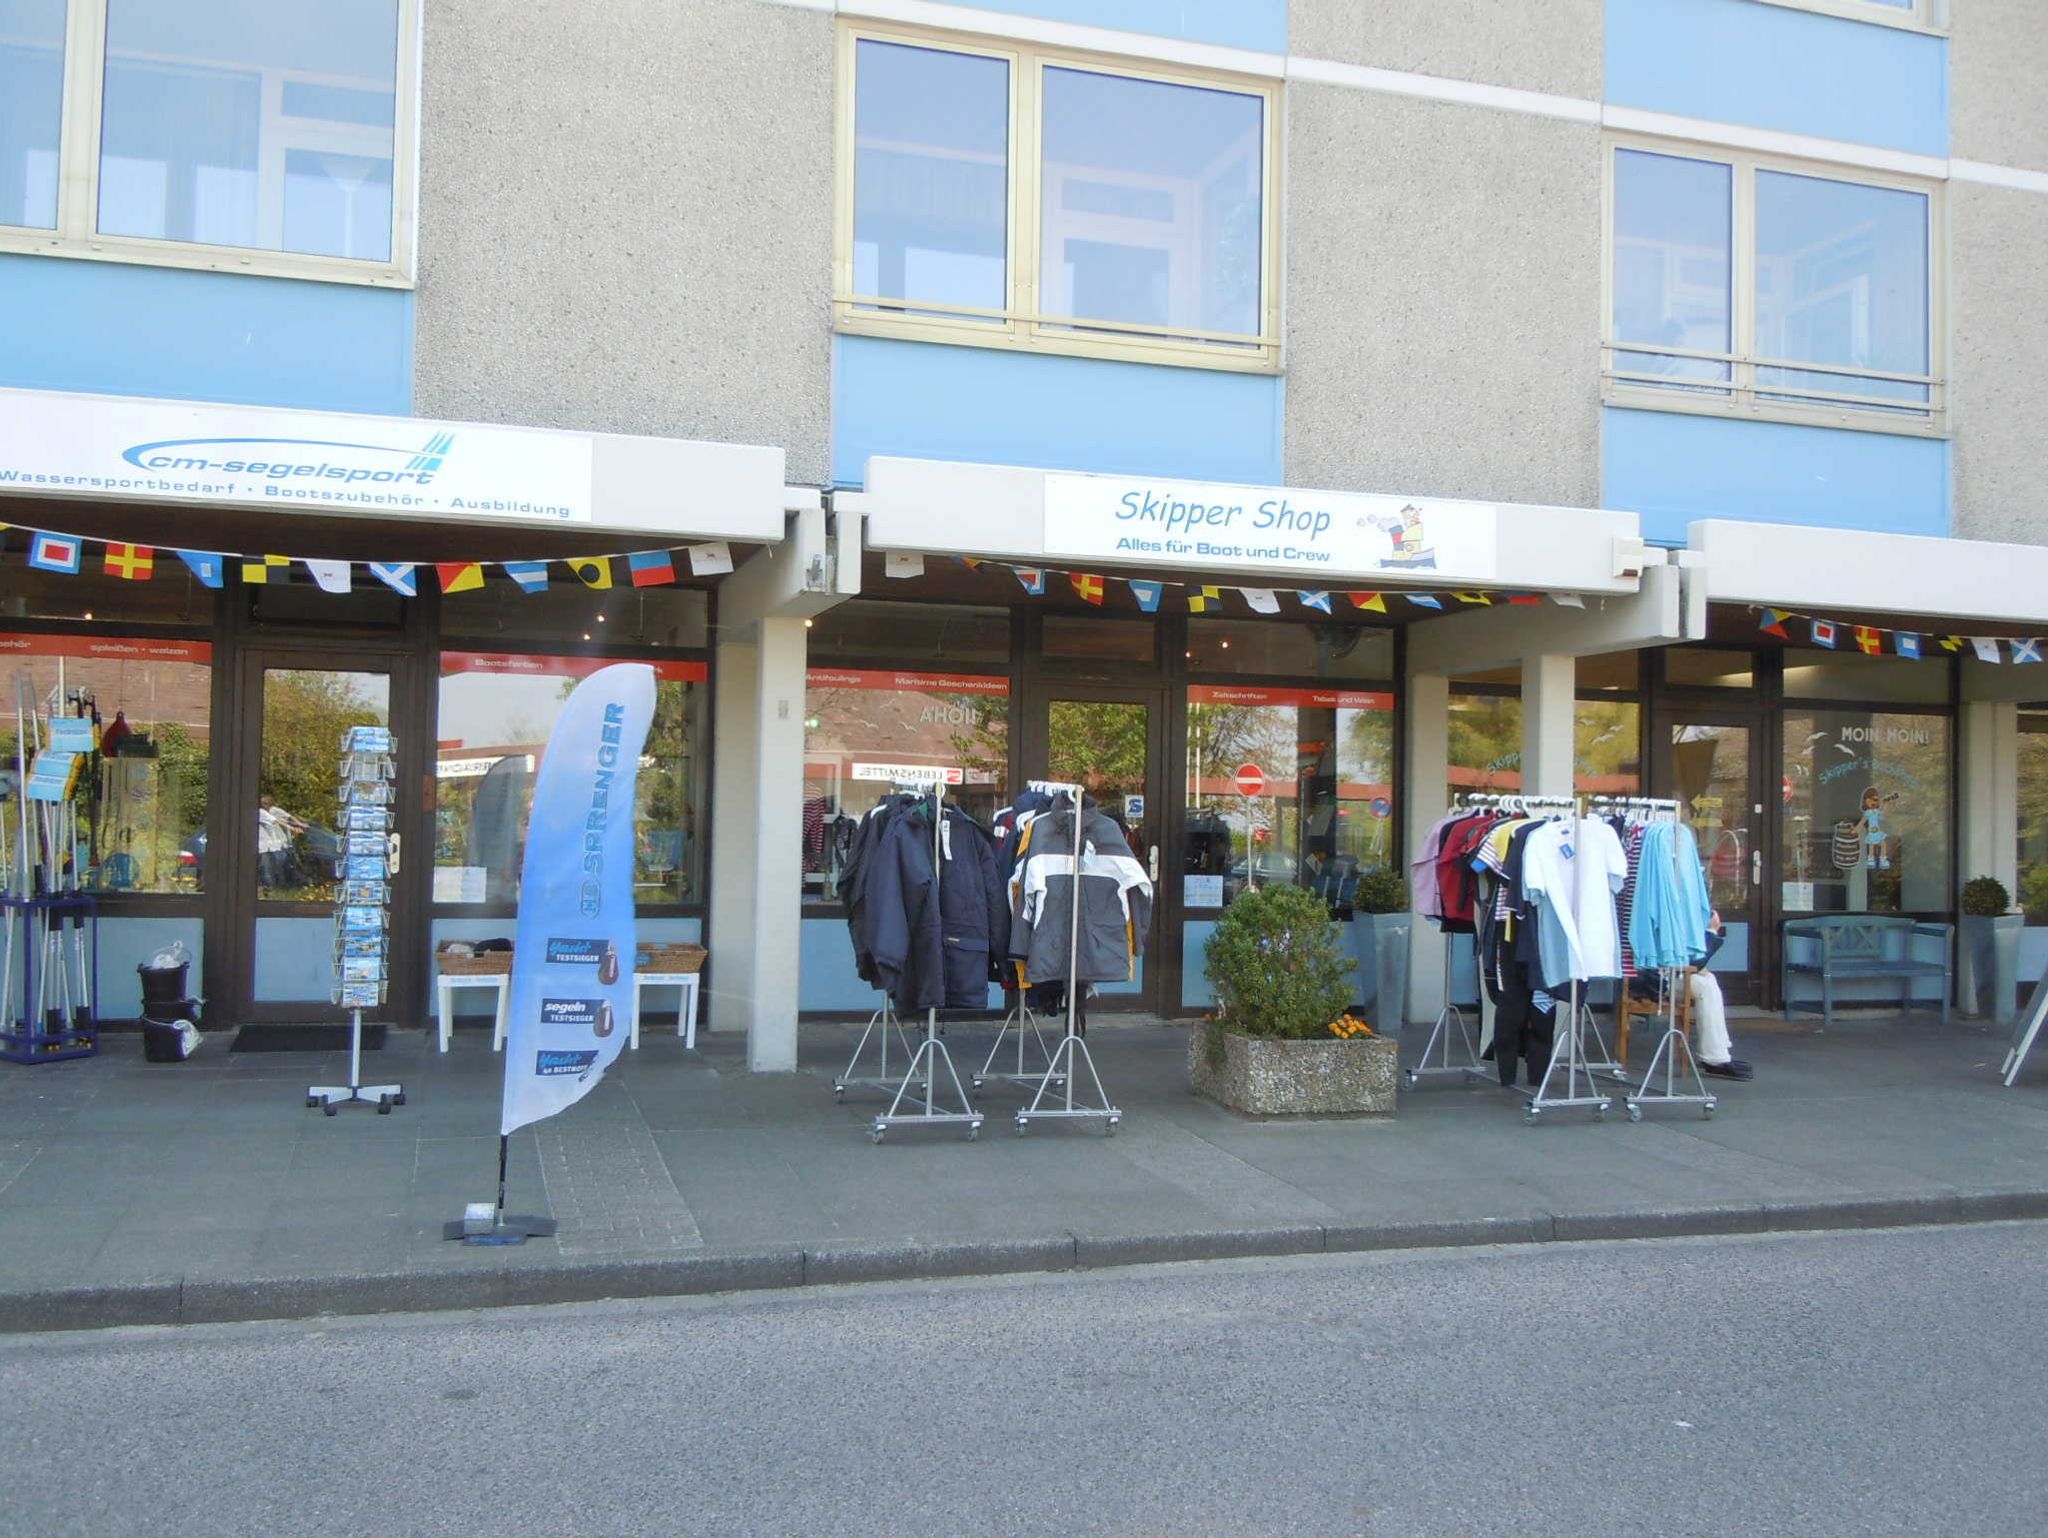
(1290, 785)
(864, 727)
(2033, 815)
(1868, 798)
(568, 612)
(140, 795)
(931, 632)
(496, 710)
(1326, 650)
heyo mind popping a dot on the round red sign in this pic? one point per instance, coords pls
(1251, 779)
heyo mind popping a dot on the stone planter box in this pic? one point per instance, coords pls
(1265, 1077)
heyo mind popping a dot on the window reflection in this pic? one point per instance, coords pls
(1290, 785)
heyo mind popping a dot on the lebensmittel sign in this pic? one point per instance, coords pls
(184, 451)
(1314, 537)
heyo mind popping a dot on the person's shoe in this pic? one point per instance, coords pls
(1734, 1068)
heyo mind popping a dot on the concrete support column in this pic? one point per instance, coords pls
(1549, 719)
(757, 789)
(1425, 796)
(761, 657)
(1988, 795)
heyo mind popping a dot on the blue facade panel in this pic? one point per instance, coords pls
(1258, 24)
(108, 328)
(1764, 66)
(1673, 469)
(924, 401)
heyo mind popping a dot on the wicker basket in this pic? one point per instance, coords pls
(669, 958)
(453, 963)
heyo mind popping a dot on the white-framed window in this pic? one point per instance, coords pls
(1746, 285)
(1006, 196)
(1910, 15)
(265, 136)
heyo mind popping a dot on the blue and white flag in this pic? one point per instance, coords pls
(572, 964)
(54, 552)
(396, 575)
(1148, 595)
(211, 570)
(2026, 651)
(532, 576)
(1317, 601)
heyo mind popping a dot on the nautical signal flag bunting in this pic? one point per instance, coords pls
(131, 563)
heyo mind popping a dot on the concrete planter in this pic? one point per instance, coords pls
(1380, 941)
(1991, 964)
(1261, 1076)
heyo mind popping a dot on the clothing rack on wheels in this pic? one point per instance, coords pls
(1451, 1016)
(1023, 1018)
(883, 1021)
(1673, 1044)
(1568, 1047)
(1072, 1050)
(925, 1110)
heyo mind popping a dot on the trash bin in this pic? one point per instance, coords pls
(163, 986)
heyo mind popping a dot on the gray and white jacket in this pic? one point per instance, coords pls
(1115, 898)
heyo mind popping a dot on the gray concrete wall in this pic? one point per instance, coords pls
(1998, 82)
(1443, 299)
(1537, 45)
(628, 228)
(1998, 295)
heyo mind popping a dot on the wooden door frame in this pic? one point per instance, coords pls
(1759, 987)
(1162, 946)
(233, 878)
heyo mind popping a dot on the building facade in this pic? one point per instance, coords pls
(1278, 417)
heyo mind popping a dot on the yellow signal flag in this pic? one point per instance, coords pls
(593, 570)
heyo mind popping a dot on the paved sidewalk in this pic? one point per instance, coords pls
(133, 1192)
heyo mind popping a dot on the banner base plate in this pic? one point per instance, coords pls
(510, 1228)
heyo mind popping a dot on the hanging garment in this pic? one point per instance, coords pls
(1115, 898)
(1668, 924)
(1572, 872)
(929, 933)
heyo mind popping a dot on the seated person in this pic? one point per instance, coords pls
(1716, 1053)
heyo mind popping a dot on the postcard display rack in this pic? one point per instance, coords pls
(363, 870)
(51, 927)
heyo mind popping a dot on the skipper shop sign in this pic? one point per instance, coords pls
(180, 451)
(1213, 526)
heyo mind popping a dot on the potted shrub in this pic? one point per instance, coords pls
(1990, 934)
(1281, 1042)
(1380, 925)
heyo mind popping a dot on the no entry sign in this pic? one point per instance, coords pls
(1251, 779)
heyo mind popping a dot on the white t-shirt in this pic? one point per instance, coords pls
(1577, 904)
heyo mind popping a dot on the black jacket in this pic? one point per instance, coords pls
(926, 954)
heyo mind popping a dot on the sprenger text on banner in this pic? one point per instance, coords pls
(572, 960)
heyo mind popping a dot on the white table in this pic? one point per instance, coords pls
(444, 1012)
(686, 1010)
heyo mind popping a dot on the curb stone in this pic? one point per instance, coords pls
(217, 1301)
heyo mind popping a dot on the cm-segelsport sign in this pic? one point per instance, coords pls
(1309, 535)
(183, 451)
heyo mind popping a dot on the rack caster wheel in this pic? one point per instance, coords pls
(1706, 1113)
(331, 1108)
(1109, 1128)
(973, 1133)
(875, 1136)
(384, 1103)
(1408, 1078)
(1020, 1126)
(399, 1098)
(312, 1102)
(1635, 1113)
(1533, 1115)
(1599, 1113)
(839, 1093)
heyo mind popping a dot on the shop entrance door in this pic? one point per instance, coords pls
(1708, 761)
(1110, 741)
(277, 850)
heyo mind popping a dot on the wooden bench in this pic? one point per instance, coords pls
(1853, 947)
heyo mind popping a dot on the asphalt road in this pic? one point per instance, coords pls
(1885, 1383)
